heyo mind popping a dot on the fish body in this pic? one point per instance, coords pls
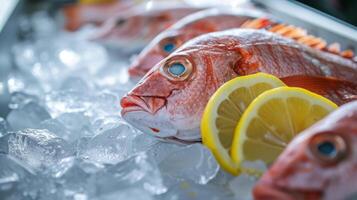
(77, 15)
(320, 163)
(193, 25)
(134, 29)
(169, 101)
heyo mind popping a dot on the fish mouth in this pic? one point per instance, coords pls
(264, 190)
(176, 140)
(136, 72)
(150, 105)
(132, 104)
(268, 191)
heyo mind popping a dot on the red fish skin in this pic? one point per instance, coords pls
(297, 173)
(336, 90)
(196, 24)
(139, 26)
(217, 58)
(77, 15)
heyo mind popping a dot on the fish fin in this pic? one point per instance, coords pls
(298, 34)
(337, 90)
(72, 17)
(258, 23)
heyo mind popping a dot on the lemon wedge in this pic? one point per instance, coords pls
(224, 111)
(272, 120)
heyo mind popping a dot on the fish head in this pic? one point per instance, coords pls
(159, 48)
(169, 100)
(320, 163)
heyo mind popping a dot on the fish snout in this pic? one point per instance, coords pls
(135, 71)
(131, 103)
(266, 191)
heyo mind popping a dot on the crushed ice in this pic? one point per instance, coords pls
(64, 138)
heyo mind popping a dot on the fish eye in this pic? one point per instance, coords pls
(328, 148)
(177, 68)
(169, 45)
(120, 22)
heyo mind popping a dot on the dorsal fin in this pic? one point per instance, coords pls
(298, 34)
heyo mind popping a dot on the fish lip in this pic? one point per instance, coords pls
(265, 190)
(173, 139)
(131, 103)
(136, 72)
(128, 109)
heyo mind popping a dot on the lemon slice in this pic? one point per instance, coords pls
(224, 110)
(272, 120)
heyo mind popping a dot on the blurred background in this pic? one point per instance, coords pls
(342, 9)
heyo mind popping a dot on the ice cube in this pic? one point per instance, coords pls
(20, 182)
(110, 146)
(113, 76)
(105, 104)
(19, 99)
(191, 190)
(135, 172)
(77, 123)
(105, 123)
(56, 127)
(75, 84)
(242, 186)
(222, 178)
(193, 162)
(143, 142)
(60, 102)
(38, 149)
(28, 116)
(72, 177)
(4, 126)
(66, 55)
(11, 173)
(19, 81)
(257, 167)
(129, 194)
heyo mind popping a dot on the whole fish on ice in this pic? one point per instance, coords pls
(320, 163)
(193, 25)
(133, 30)
(77, 15)
(169, 101)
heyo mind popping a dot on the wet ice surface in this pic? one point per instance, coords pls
(65, 139)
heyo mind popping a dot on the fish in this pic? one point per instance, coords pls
(191, 26)
(77, 15)
(168, 102)
(131, 31)
(338, 91)
(319, 163)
